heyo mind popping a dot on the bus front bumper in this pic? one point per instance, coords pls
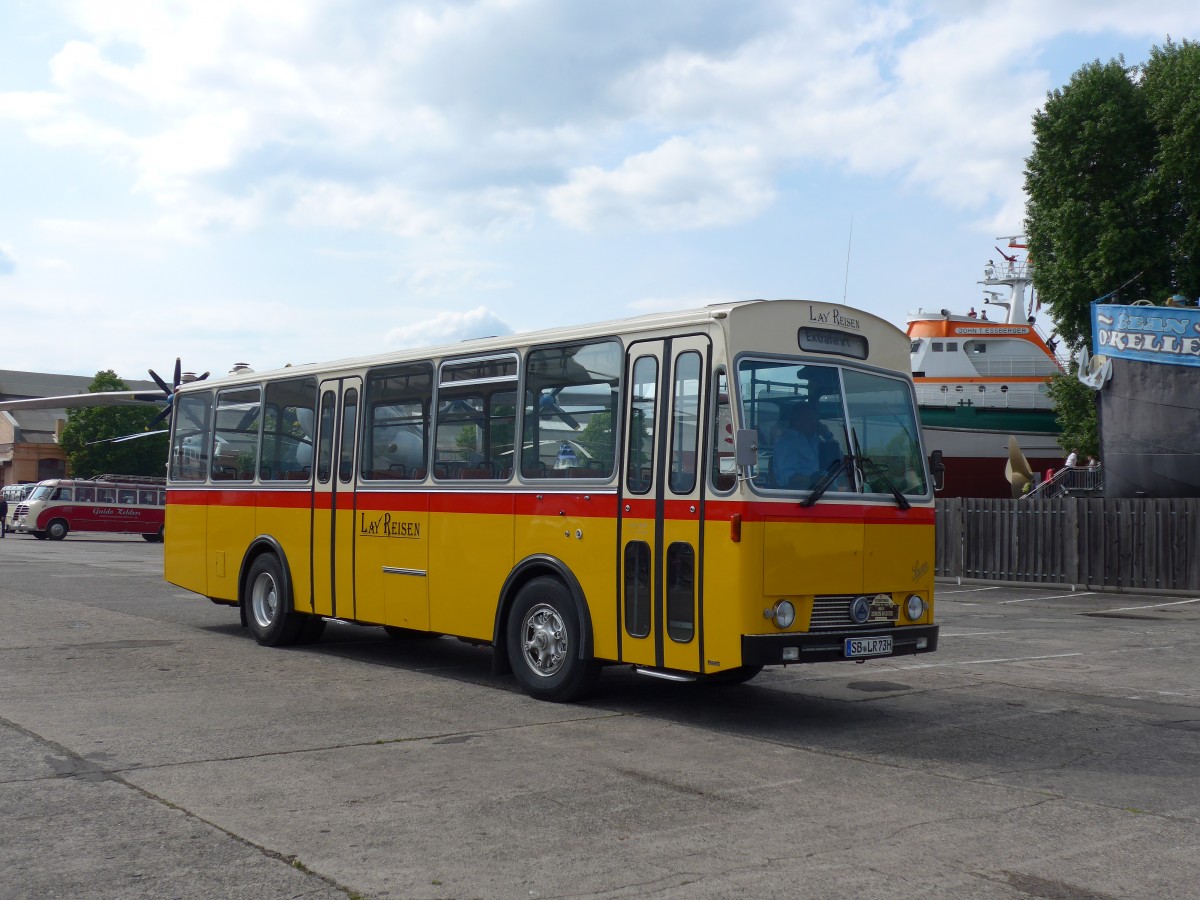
(823, 646)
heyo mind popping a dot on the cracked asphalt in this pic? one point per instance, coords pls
(149, 748)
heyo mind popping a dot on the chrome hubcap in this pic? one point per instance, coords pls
(264, 600)
(544, 637)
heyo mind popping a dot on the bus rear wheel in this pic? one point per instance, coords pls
(154, 538)
(57, 530)
(544, 637)
(269, 612)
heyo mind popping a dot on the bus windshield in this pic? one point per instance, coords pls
(42, 492)
(838, 429)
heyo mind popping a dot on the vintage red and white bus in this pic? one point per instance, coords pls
(574, 498)
(118, 504)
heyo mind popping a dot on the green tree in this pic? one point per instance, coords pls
(1114, 201)
(85, 427)
(1171, 81)
(1076, 406)
(1086, 179)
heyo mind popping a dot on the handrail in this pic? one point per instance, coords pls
(1068, 481)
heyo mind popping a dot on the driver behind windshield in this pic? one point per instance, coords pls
(802, 448)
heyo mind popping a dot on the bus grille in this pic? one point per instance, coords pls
(22, 509)
(833, 612)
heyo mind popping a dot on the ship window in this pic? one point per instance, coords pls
(975, 346)
(952, 346)
(937, 346)
(914, 346)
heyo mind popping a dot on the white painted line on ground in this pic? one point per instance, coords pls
(1151, 606)
(1051, 597)
(945, 633)
(980, 662)
(943, 591)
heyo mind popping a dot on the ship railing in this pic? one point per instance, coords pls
(1004, 270)
(1069, 481)
(929, 395)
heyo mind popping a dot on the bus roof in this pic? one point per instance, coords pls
(761, 317)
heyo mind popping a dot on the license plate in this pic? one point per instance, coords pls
(873, 646)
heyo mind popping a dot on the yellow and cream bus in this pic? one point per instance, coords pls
(574, 498)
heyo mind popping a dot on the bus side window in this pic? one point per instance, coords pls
(147, 498)
(724, 471)
(287, 447)
(396, 426)
(106, 495)
(235, 437)
(63, 493)
(571, 410)
(641, 425)
(85, 495)
(127, 497)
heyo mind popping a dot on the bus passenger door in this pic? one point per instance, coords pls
(662, 503)
(333, 498)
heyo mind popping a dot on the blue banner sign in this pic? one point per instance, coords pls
(1161, 334)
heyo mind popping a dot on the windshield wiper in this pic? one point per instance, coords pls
(901, 500)
(835, 469)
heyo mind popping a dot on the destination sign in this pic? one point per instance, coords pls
(1161, 334)
(825, 340)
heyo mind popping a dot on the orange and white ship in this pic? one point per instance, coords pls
(981, 377)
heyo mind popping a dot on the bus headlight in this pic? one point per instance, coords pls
(914, 607)
(783, 614)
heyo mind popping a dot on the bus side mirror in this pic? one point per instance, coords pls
(745, 447)
(937, 469)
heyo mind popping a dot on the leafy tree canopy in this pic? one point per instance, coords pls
(85, 458)
(1114, 202)
(1114, 187)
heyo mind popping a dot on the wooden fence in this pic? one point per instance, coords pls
(1092, 543)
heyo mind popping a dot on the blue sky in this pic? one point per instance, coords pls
(290, 181)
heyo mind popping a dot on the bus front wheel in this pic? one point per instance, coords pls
(269, 612)
(57, 530)
(544, 637)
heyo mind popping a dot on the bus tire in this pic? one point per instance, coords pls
(155, 538)
(269, 612)
(543, 638)
(57, 529)
(40, 535)
(740, 675)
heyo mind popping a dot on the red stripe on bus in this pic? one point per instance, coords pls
(576, 505)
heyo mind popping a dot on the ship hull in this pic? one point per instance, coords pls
(974, 445)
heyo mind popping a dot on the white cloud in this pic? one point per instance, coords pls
(477, 118)
(448, 328)
(8, 260)
(678, 185)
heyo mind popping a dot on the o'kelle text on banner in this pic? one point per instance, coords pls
(1162, 334)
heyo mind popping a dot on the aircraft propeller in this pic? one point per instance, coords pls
(170, 391)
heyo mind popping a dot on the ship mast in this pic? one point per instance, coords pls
(1017, 274)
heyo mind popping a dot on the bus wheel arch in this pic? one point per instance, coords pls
(266, 596)
(547, 635)
(57, 529)
(536, 566)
